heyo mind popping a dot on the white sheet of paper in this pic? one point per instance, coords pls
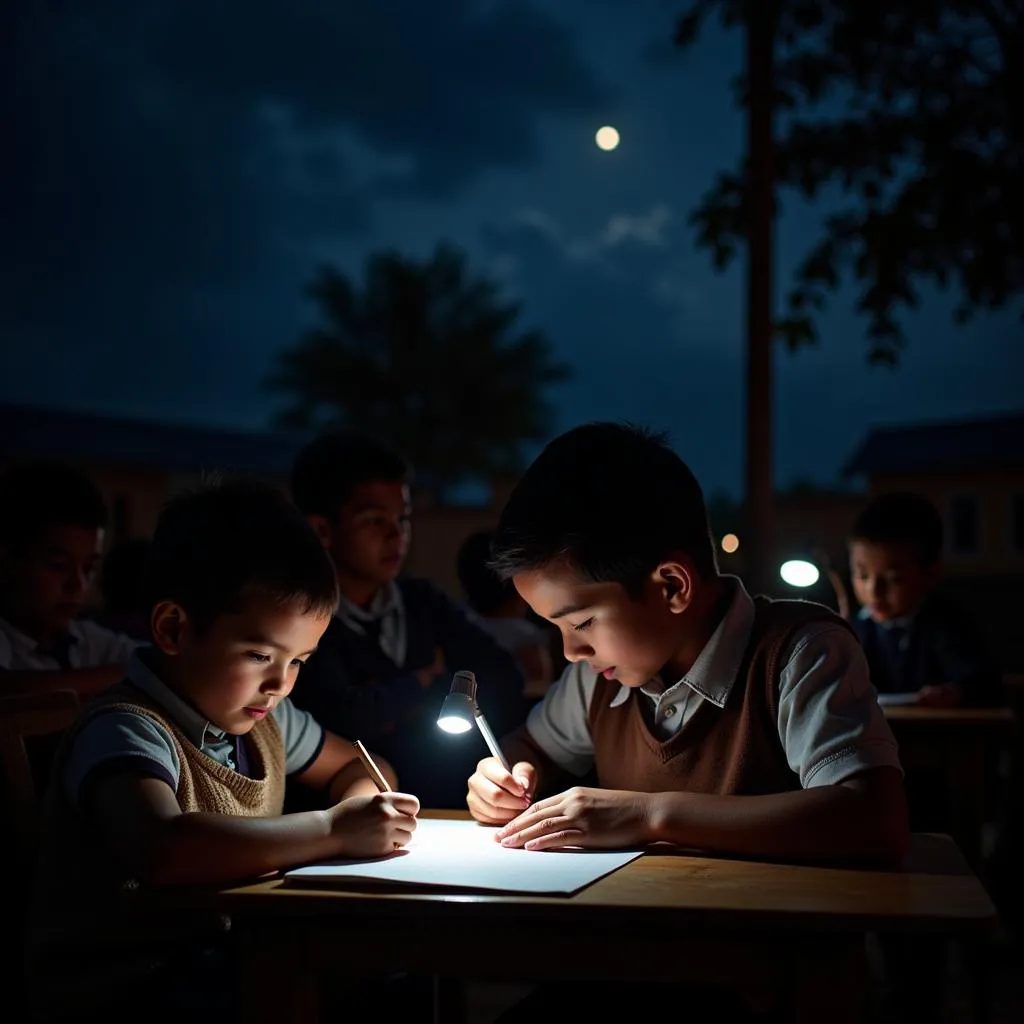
(464, 855)
(895, 700)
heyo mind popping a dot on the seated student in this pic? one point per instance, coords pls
(715, 720)
(499, 609)
(52, 519)
(916, 639)
(176, 775)
(385, 663)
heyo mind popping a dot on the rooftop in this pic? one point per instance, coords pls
(995, 442)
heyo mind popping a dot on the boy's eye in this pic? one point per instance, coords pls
(256, 656)
(584, 625)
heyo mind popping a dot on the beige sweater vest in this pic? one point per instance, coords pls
(93, 928)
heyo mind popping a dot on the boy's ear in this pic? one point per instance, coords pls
(322, 528)
(169, 624)
(675, 580)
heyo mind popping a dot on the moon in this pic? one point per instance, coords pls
(607, 138)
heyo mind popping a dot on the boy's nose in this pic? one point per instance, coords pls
(574, 650)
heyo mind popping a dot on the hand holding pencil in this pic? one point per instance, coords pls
(372, 826)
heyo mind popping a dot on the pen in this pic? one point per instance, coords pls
(371, 769)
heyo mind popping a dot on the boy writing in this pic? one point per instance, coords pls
(52, 521)
(916, 640)
(386, 659)
(714, 720)
(177, 774)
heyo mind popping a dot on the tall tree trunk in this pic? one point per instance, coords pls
(761, 25)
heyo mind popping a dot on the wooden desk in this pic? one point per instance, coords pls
(954, 741)
(713, 920)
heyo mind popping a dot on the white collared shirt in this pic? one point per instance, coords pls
(829, 721)
(90, 646)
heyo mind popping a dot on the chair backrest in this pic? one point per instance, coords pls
(24, 716)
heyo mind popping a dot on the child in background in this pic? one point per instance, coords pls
(499, 609)
(52, 520)
(386, 661)
(176, 775)
(916, 639)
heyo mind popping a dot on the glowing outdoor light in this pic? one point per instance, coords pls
(730, 543)
(798, 572)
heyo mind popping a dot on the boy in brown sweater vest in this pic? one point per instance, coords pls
(713, 720)
(177, 774)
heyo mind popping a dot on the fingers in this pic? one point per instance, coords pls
(486, 814)
(548, 833)
(525, 775)
(406, 803)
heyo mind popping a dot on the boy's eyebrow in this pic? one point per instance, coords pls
(569, 609)
(265, 641)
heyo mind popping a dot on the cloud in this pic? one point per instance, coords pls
(173, 172)
(620, 229)
(633, 355)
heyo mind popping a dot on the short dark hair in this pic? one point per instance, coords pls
(610, 500)
(485, 590)
(40, 494)
(329, 468)
(216, 547)
(902, 517)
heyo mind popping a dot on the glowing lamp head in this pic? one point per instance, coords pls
(798, 572)
(458, 712)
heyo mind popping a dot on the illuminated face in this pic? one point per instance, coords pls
(370, 537)
(46, 582)
(621, 637)
(888, 580)
(243, 664)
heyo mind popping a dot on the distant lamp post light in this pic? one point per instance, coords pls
(730, 543)
(607, 138)
(798, 572)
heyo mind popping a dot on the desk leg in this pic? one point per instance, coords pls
(966, 784)
(292, 994)
(833, 986)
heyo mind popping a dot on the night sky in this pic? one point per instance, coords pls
(172, 179)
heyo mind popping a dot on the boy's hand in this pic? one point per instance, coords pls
(496, 795)
(605, 818)
(948, 695)
(372, 826)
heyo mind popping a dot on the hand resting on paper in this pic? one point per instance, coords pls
(591, 818)
(372, 826)
(495, 795)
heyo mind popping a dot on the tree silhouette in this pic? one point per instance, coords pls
(427, 356)
(914, 110)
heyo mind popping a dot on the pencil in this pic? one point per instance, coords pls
(371, 769)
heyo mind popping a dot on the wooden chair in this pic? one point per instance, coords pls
(25, 716)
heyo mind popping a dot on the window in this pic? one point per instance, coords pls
(964, 533)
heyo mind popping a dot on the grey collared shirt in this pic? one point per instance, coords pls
(829, 720)
(90, 645)
(125, 736)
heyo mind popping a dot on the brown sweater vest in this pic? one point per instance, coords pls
(91, 929)
(730, 750)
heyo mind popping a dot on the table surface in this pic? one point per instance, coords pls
(936, 893)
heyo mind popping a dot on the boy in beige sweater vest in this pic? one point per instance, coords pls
(177, 774)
